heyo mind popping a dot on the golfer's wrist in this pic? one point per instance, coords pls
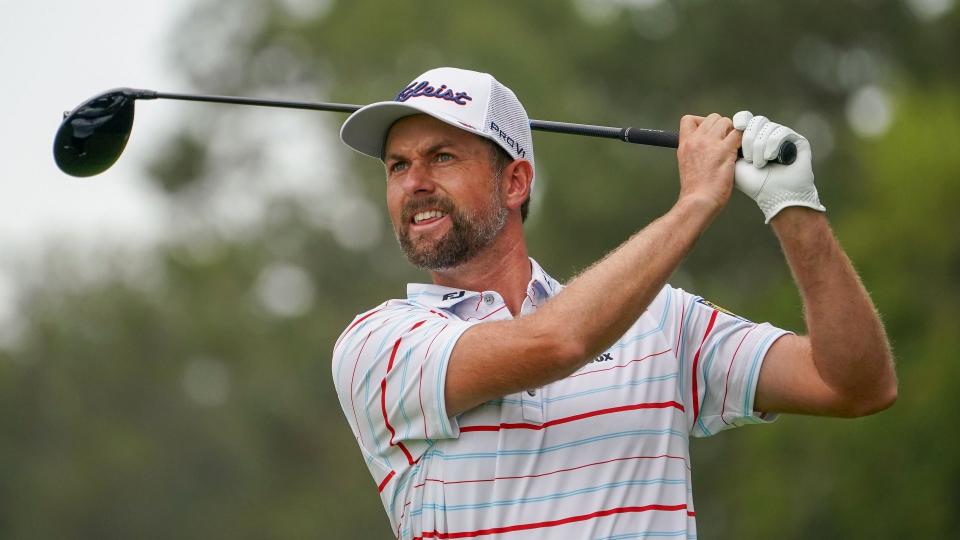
(792, 220)
(696, 209)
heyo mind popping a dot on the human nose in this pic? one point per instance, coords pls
(418, 180)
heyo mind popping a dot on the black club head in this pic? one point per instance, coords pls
(92, 136)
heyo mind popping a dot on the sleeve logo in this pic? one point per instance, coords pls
(711, 305)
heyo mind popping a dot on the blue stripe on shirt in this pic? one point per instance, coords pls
(551, 497)
(635, 382)
(441, 376)
(754, 368)
(663, 319)
(348, 342)
(711, 354)
(649, 534)
(403, 384)
(684, 325)
(548, 449)
(366, 411)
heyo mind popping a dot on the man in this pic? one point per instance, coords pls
(496, 402)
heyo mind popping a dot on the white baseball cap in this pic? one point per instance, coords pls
(469, 100)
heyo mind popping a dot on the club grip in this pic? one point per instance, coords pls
(652, 137)
(668, 139)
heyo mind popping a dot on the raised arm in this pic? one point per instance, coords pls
(495, 359)
(844, 366)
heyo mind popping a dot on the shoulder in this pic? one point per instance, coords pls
(395, 311)
(358, 332)
(376, 316)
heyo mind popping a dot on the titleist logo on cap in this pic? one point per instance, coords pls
(423, 89)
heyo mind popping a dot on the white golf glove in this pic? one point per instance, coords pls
(772, 185)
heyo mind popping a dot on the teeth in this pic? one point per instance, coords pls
(421, 216)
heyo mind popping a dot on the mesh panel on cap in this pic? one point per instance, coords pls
(508, 114)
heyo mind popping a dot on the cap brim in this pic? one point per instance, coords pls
(366, 129)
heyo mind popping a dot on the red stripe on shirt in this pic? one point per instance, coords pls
(553, 523)
(621, 365)
(558, 471)
(485, 316)
(361, 319)
(355, 323)
(383, 322)
(423, 414)
(356, 421)
(383, 483)
(726, 382)
(383, 397)
(403, 512)
(696, 360)
(574, 418)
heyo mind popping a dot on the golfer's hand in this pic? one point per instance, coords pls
(706, 158)
(772, 185)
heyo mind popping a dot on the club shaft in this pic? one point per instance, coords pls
(650, 137)
(335, 107)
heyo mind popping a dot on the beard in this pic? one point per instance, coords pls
(469, 233)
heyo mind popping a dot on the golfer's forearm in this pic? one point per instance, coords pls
(603, 302)
(848, 342)
(592, 312)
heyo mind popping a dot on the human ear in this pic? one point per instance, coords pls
(516, 178)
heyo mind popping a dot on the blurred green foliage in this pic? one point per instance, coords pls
(184, 391)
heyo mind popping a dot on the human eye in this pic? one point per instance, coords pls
(397, 166)
(443, 156)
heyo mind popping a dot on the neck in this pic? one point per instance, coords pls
(503, 266)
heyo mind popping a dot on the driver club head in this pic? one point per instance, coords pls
(92, 136)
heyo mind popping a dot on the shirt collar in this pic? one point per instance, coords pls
(541, 286)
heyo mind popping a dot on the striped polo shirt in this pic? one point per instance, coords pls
(602, 453)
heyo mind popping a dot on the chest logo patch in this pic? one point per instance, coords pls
(605, 357)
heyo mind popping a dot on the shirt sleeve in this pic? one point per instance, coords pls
(389, 369)
(719, 356)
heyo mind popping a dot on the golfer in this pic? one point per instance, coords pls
(496, 402)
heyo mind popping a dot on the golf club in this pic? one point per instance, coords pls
(92, 136)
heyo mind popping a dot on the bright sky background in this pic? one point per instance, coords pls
(54, 55)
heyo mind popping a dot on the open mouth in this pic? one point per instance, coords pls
(428, 216)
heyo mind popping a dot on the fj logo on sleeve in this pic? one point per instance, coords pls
(711, 305)
(453, 295)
